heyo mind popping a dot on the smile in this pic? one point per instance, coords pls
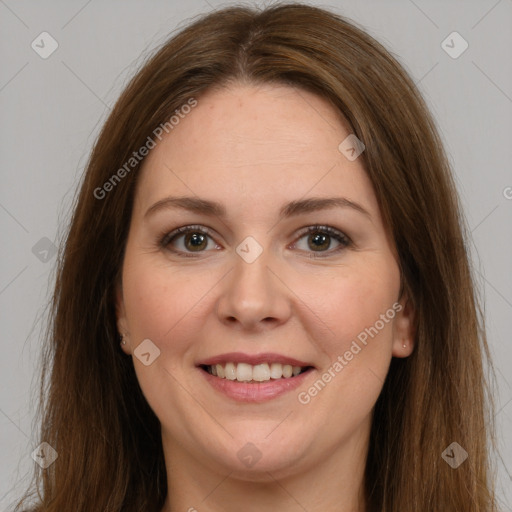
(243, 372)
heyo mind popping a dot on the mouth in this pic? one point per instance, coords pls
(252, 374)
(254, 378)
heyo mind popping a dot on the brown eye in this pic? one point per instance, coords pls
(320, 239)
(186, 240)
(195, 241)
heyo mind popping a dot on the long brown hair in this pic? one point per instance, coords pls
(93, 411)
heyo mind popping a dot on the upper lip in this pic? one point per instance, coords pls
(252, 359)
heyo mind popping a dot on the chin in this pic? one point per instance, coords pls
(253, 461)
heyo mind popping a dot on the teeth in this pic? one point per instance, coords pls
(230, 371)
(220, 370)
(287, 371)
(243, 372)
(261, 372)
(276, 370)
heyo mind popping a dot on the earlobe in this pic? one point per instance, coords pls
(403, 329)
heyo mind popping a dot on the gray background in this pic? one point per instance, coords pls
(52, 109)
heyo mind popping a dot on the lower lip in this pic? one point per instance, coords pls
(255, 392)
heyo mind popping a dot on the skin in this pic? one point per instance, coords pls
(253, 149)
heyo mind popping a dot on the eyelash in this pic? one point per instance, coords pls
(166, 238)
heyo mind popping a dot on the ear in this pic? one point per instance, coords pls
(404, 327)
(122, 323)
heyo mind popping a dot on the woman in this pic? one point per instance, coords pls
(264, 300)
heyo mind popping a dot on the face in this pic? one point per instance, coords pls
(269, 283)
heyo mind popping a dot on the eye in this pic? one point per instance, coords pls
(319, 239)
(187, 240)
(194, 239)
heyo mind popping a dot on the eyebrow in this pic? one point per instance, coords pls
(214, 209)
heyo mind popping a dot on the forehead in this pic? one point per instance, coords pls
(261, 142)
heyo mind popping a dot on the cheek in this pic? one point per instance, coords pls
(166, 305)
(163, 305)
(350, 304)
(359, 312)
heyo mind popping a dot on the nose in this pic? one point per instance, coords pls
(254, 296)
